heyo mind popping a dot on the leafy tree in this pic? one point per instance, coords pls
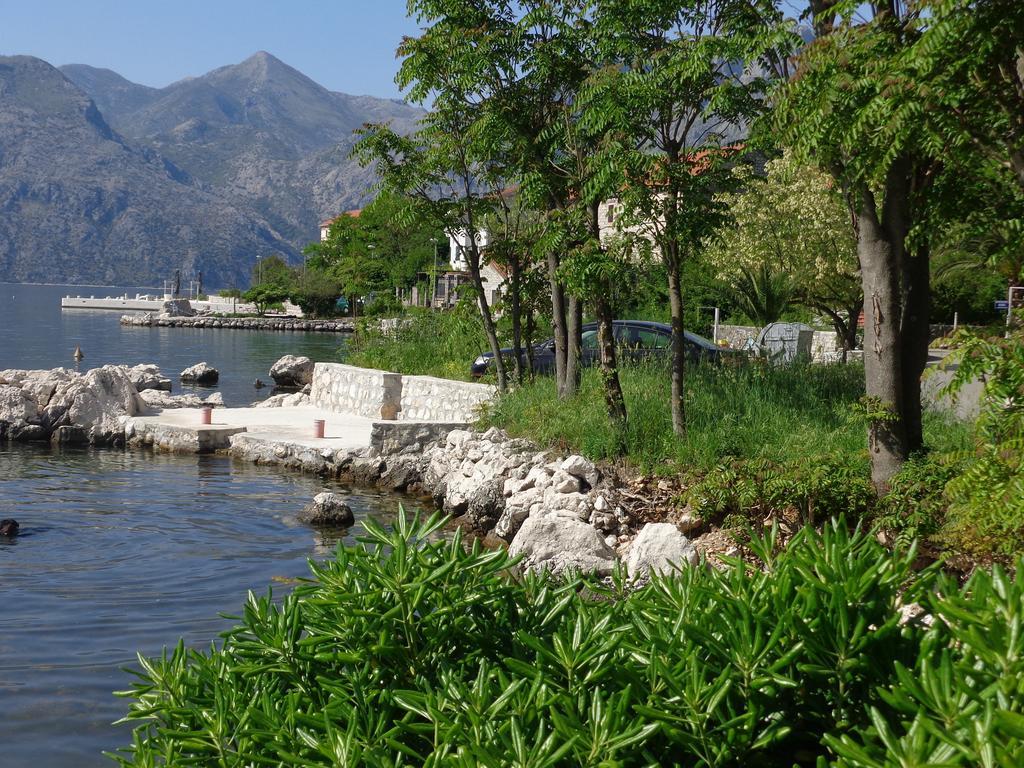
(271, 270)
(790, 238)
(266, 296)
(967, 70)
(442, 170)
(316, 293)
(514, 231)
(682, 83)
(347, 259)
(849, 109)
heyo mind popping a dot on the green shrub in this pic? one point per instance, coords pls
(961, 703)
(428, 343)
(815, 490)
(986, 500)
(410, 650)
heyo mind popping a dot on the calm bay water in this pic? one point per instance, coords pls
(36, 333)
(124, 552)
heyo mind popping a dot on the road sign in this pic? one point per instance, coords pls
(1002, 305)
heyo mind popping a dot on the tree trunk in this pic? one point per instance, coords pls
(573, 361)
(490, 329)
(880, 262)
(531, 335)
(675, 298)
(915, 332)
(559, 323)
(613, 397)
(515, 308)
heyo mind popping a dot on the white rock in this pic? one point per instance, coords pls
(600, 505)
(156, 398)
(563, 482)
(556, 544)
(292, 371)
(148, 376)
(581, 467)
(659, 547)
(216, 400)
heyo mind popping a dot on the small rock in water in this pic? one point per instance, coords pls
(327, 509)
(258, 384)
(9, 527)
(201, 373)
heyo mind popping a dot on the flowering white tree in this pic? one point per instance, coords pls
(791, 229)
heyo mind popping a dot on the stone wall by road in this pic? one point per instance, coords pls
(359, 391)
(426, 398)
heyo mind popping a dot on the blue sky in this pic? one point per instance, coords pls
(345, 45)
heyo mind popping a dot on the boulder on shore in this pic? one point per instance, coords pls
(292, 371)
(556, 544)
(327, 509)
(202, 374)
(148, 376)
(35, 404)
(661, 548)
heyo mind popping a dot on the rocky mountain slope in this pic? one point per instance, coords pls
(106, 181)
(260, 132)
(80, 203)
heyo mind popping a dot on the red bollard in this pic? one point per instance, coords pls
(206, 415)
(318, 427)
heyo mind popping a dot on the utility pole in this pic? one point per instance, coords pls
(433, 279)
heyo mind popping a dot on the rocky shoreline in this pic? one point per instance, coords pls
(557, 512)
(241, 323)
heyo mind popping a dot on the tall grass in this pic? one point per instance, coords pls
(748, 411)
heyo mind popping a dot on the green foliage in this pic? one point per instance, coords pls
(748, 411)
(409, 650)
(271, 270)
(758, 488)
(986, 507)
(267, 296)
(315, 293)
(960, 703)
(428, 343)
(915, 506)
(790, 239)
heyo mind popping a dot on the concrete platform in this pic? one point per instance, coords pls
(180, 429)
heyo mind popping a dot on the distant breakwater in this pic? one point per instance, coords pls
(241, 323)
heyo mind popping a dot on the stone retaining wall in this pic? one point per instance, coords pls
(389, 396)
(426, 398)
(408, 437)
(358, 391)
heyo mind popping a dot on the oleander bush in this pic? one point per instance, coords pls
(414, 650)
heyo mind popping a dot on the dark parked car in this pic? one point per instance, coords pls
(635, 341)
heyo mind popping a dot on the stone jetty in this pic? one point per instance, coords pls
(150, 320)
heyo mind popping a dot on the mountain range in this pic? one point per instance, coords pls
(107, 181)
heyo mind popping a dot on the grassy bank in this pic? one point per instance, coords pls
(422, 344)
(753, 411)
(412, 652)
